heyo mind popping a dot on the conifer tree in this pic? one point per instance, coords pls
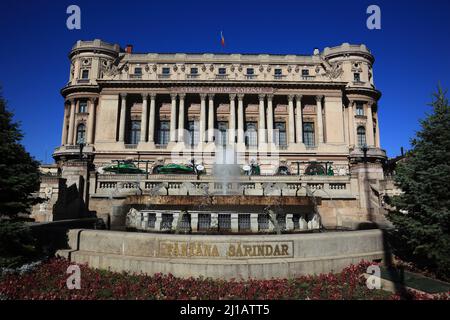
(422, 215)
(19, 172)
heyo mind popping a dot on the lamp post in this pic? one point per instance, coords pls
(364, 149)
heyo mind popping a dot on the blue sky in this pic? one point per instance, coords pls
(411, 49)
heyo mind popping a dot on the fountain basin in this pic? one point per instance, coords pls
(223, 257)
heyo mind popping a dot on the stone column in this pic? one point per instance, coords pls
(181, 118)
(299, 122)
(262, 120)
(202, 117)
(64, 126)
(369, 126)
(269, 118)
(74, 137)
(345, 122)
(144, 118)
(232, 123)
(71, 121)
(173, 118)
(377, 127)
(211, 118)
(151, 122)
(90, 128)
(319, 118)
(291, 119)
(240, 118)
(123, 113)
(194, 222)
(351, 122)
(254, 223)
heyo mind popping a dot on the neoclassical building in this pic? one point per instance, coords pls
(314, 115)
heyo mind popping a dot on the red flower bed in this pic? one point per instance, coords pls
(48, 281)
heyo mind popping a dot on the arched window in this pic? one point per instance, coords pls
(251, 134)
(81, 133)
(315, 169)
(308, 134)
(222, 138)
(361, 133)
(280, 134)
(163, 133)
(135, 132)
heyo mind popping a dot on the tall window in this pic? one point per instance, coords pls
(222, 127)
(359, 109)
(83, 107)
(251, 134)
(280, 134)
(361, 133)
(164, 132)
(135, 131)
(194, 135)
(81, 133)
(308, 134)
(85, 74)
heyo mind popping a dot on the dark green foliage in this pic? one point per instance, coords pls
(19, 172)
(17, 244)
(422, 216)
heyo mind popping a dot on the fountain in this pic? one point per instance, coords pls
(220, 227)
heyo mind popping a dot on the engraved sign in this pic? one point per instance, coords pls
(248, 90)
(228, 250)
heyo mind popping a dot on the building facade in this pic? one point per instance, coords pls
(314, 116)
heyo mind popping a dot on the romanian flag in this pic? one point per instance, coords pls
(222, 39)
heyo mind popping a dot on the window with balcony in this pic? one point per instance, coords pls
(359, 109)
(135, 132)
(163, 133)
(308, 134)
(194, 133)
(251, 134)
(280, 134)
(82, 107)
(361, 136)
(81, 133)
